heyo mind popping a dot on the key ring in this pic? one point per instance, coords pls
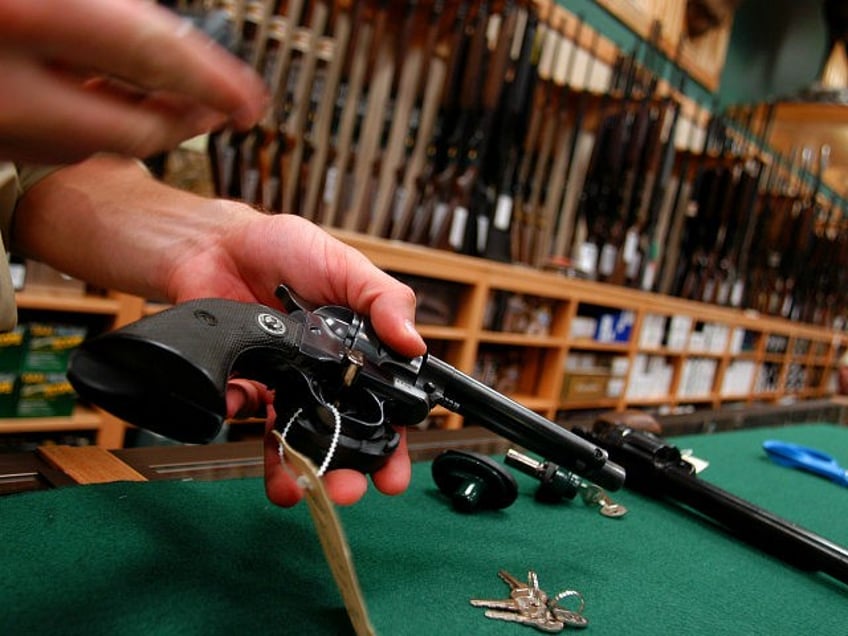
(553, 603)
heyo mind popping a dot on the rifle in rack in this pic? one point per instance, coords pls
(301, 107)
(536, 141)
(659, 203)
(442, 148)
(319, 138)
(755, 178)
(579, 153)
(453, 185)
(443, 76)
(641, 129)
(512, 128)
(802, 265)
(566, 131)
(417, 49)
(603, 172)
(381, 71)
(226, 148)
(335, 181)
(688, 171)
(701, 210)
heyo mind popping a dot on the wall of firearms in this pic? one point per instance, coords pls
(512, 131)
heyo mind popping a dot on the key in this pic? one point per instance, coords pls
(525, 598)
(571, 618)
(546, 623)
(593, 494)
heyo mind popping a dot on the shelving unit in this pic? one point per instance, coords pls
(113, 309)
(749, 359)
(712, 356)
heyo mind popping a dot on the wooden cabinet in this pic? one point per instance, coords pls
(103, 312)
(530, 334)
(598, 346)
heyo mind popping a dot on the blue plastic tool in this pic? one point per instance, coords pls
(805, 458)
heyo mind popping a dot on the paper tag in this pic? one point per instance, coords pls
(457, 229)
(332, 537)
(697, 463)
(503, 212)
(606, 263)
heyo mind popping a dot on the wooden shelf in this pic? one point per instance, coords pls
(47, 300)
(82, 419)
(542, 358)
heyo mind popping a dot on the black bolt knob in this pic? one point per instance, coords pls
(474, 481)
(555, 483)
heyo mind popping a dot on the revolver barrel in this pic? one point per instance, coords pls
(479, 403)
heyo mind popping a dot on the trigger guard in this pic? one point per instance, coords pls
(365, 440)
(363, 455)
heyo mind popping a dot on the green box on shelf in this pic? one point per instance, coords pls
(8, 394)
(12, 349)
(44, 395)
(48, 346)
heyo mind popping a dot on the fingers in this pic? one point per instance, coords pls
(182, 84)
(345, 487)
(141, 43)
(393, 478)
(90, 120)
(245, 398)
(270, 249)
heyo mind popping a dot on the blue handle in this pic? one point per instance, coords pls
(804, 458)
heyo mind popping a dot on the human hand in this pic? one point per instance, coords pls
(120, 76)
(247, 263)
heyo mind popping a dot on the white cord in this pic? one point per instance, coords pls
(334, 442)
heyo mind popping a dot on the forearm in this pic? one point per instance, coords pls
(110, 223)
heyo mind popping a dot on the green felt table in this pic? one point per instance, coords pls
(184, 557)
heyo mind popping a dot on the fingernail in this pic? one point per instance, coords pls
(409, 326)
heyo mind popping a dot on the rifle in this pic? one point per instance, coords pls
(455, 182)
(539, 137)
(321, 362)
(381, 70)
(569, 124)
(302, 104)
(436, 166)
(552, 178)
(579, 154)
(227, 148)
(620, 255)
(433, 77)
(656, 468)
(320, 137)
(603, 170)
(337, 173)
(740, 256)
(514, 118)
(416, 48)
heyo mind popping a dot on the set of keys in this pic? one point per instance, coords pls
(529, 605)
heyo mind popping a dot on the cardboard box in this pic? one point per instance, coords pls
(584, 385)
(44, 395)
(12, 349)
(8, 394)
(48, 346)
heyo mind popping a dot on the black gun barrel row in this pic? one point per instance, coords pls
(500, 130)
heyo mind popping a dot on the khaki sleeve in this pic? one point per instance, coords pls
(15, 180)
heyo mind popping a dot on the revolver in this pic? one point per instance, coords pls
(334, 382)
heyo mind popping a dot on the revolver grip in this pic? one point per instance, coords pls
(168, 373)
